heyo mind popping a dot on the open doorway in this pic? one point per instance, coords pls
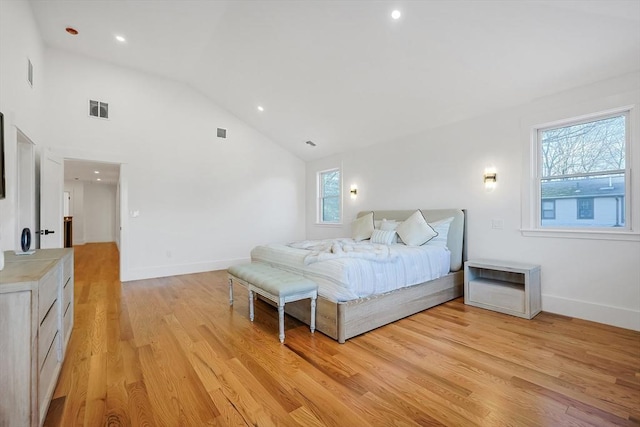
(92, 202)
(97, 208)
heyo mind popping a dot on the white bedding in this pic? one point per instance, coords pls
(347, 278)
(325, 250)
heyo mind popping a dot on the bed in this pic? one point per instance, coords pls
(345, 310)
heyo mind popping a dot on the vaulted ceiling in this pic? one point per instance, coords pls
(344, 74)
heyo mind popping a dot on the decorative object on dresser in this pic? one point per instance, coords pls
(36, 319)
(25, 239)
(503, 286)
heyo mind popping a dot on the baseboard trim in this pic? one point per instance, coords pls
(609, 315)
(177, 270)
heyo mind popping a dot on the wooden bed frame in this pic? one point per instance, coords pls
(344, 320)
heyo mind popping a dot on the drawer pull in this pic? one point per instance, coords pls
(48, 311)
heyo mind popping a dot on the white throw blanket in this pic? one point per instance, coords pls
(324, 250)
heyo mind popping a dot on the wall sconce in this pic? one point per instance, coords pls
(490, 179)
(354, 191)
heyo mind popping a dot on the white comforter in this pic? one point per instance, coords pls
(347, 278)
(325, 250)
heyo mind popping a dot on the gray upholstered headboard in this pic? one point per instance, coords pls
(456, 237)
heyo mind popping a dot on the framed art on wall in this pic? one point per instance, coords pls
(3, 191)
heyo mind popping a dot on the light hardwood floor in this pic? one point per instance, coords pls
(172, 352)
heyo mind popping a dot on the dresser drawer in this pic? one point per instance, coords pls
(67, 269)
(47, 332)
(67, 321)
(67, 293)
(48, 292)
(48, 372)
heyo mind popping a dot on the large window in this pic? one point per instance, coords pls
(582, 174)
(329, 196)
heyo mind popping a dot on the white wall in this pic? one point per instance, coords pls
(94, 210)
(592, 279)
(100, 212)
(20, 103)
(203, 202)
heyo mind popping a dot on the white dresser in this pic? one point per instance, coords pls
(36, 319)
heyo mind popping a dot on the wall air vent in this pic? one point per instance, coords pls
(222, 133)
(98, 109)
(29, 72)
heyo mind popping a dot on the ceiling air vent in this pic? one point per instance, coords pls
(222, 133)
(98, 109)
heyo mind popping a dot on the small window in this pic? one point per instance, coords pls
(548, 209)
(585, 208)
(582, 172)
(329, 196)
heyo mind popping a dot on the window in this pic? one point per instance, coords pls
(548, 209)
(585, 208)
(582, 173)
(329, 196)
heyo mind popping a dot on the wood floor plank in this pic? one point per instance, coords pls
(171, 351)
(138, 407)
(97, 390)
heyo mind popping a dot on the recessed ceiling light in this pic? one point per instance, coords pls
(96, 171)
(98, 179)
(396, 14)
(121, 39)
(260, 108)
(71, 31)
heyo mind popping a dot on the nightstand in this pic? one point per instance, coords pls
(503, 286)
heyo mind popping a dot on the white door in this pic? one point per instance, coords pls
(51, 200)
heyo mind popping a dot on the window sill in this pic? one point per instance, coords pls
(626, 235)
(329, 224)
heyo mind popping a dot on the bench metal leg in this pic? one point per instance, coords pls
(281, 321)
(313, 314)
(251, 305)
(230, 292)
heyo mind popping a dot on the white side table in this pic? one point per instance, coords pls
(503, 286)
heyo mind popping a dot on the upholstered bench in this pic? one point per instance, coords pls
(275, 285)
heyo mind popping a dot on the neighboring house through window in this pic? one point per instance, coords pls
(329, 196)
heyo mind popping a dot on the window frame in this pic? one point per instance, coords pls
(320, 198)
(531, 184)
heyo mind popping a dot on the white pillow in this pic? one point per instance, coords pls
(388, 225)
(362, 227)
(385, 237)
(442, 228)
(415, 231)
